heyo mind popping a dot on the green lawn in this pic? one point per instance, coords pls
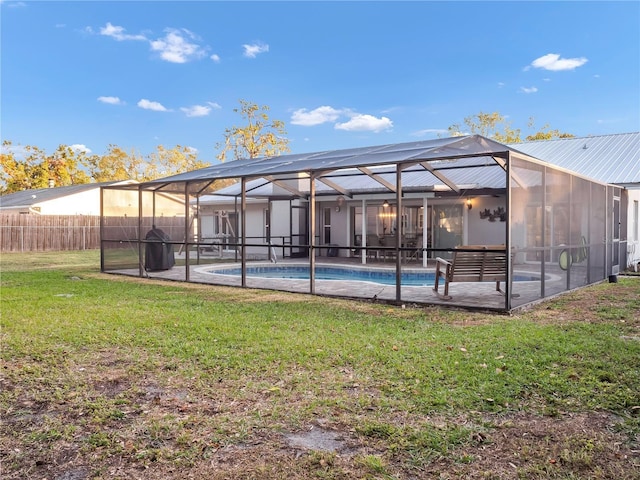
(115, 377)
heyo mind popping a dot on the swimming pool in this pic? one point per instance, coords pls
(337, 272)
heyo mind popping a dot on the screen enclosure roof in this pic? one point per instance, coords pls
(454, 164)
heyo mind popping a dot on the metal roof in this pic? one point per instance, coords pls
(607, 158)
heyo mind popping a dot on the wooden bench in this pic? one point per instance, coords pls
(472, 263)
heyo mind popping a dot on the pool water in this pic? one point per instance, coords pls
(301, 272)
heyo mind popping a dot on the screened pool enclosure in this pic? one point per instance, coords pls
(373, 223)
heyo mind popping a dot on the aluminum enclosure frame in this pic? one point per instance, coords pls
(451, 169)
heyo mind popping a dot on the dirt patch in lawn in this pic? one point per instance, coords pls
(584, 445)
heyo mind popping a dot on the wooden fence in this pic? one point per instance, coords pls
(39, 233)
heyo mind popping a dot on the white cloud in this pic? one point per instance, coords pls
(501, 84)
(177, 46)
(215, 58)
(77, 147)
(361, 122)
(149, 105)
(111, 100)
(196, 111)
(356, 122)
(553, 62)
(200, 110)
(528, 89)
(318, 116)
(117, 32)
(430, 131)
(251, 51)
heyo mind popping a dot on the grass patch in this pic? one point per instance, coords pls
(178, 378)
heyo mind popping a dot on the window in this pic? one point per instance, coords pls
(327, 226)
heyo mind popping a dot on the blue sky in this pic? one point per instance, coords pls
(339, 74)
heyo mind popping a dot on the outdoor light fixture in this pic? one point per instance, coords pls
(385, 204)
(469, 205)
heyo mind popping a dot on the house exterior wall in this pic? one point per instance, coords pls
(84, 203)
(482, 231)
(340, 227)
(120, 203)
(280, 220)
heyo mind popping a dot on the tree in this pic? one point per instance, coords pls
(115, 165)
(167, 162)
(260, 137)
(546, 133)
(14, 174)
(33, 168)
(36, 169)
(64, 167)
(495, 126)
